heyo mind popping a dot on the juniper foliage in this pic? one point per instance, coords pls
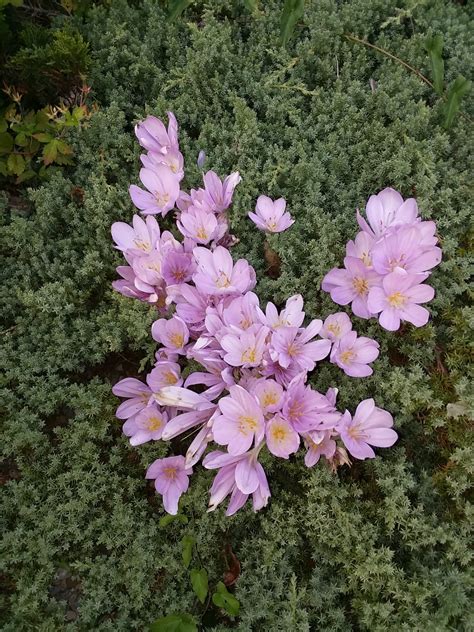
(384, 545)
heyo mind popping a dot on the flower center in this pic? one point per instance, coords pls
(292, 349)
(247, 424)
(170, 378)
(154, 423)
(162, 198)
(279, 433)
(177, 340)
(347, 356)
(396, 300)
(271, 224)
(269, 399)
(250, 355)
(222, 280)
(142, 245)
(170, 473)
(179, 275)
(361, 285)
(201, 233)
(366, 259)
(334, 329)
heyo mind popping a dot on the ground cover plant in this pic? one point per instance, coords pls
(322, 122)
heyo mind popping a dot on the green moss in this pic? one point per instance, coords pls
(384, 545)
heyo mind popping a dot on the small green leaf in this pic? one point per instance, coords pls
(50, 152)
(187, 544)
(6, 143)
(222, 598)
(292, 12)
(63, 148)
(21, 140)
(434, 46)
(459, 88)
(43, 137)
(16, 164)
(176, 7)
(183, 622)
(199, 582)
(252, 5)
(26, 175)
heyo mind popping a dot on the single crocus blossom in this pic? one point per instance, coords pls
(147, 425)
(399, 299)
(198, 225)
(218, 194)
(171, 480)
(291, 316)
(161, 194)
(319, 444)
(137, 394)
(139, 239)
(218, 275)
(402, 249)
(164, 374)
(386, 209)
(245, 348)
(370, 426)
(353, 354)
(177, 267)
(241, 421)
(173, 333)
(361, 248)
(336, 326)
(270, 395)
(270, 215)
(153, 135)
(291, 345)
(351, 284)
(282, 439)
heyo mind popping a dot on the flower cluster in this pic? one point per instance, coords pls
(386, 264)
(250, 391)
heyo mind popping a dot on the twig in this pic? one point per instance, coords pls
(388, 54)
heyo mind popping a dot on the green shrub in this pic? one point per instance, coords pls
(381, 546)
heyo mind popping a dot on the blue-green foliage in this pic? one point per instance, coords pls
(381, 546)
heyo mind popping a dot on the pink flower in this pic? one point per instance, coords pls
(291, 316)
(173, 160)
(245, 348)
(147, 425)
(401, 249)
(353, 353)
(386, 209)
(239, 476)
(172, 333)
(303, 406)
(191, 306)
(398, 299)
(129, 286)
(241, 421)
(291, 345)
(164, 374)
(142, 238)
(318, 444)
(218, 275)
(361, 248)
(351, 285)
(162, 191)
(270, 215)
(171, 480)
(369, 426)
(335, 326)
(138, 396)
(219, 194)
(153, 136)
(198, 225)
(282, 439)
(270, 395)
(241, 312)
(178, 267)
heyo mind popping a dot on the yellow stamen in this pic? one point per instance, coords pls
(335, 329)
(279, 433)
(222, 280)
(170, 378)
(177, 340)
(361, 286)
(397, 299)
(269, 399)
(346, 356)
(170, 472)
(162, 198)
(249, 356)
(247, 424)
(202, 234)
(142, 245)
(154, 423)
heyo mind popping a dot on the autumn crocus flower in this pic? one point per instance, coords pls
(282, 439)
(291, 316)
(270, 215)
(198, 225)
(172, 333)
(245, 348)
(386, 209)
(171, 480)
(336, 326)
(303, 406)
(218, 194)
(147, 425)
(153, 135)
(361, 248)
(370, 426)
(137, 394)
(290, 345)
(351, 284)
(218, 275)
(241, 421)
(270, 395)
(402, 249)
(399, 299)
(164, 374)
(353, 354)
(161, 194)
(177, 267)
(319, 444)
(139, 239)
